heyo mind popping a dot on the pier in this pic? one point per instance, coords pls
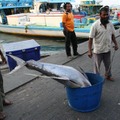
(45, 99)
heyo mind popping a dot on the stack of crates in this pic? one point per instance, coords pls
(26, 50)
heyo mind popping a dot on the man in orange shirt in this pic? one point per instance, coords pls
(68, 25)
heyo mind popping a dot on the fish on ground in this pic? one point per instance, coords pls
(66, 75)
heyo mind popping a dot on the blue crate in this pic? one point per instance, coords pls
(25, 50)
(86, 99)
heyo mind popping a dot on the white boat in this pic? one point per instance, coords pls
(45, 24)
(38, 31)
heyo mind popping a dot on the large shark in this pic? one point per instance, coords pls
(66, 75)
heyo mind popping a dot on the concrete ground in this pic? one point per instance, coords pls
(46, 99)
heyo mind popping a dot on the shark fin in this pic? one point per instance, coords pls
(63, 80)
(15, 69)
(83, 72)
(52, 77)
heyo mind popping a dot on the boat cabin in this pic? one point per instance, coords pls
(9, 7)
(89, 7)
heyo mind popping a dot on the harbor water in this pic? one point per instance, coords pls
(48, 45)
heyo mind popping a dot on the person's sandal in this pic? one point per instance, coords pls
(7, 102)
(109, 78)
(2, 116)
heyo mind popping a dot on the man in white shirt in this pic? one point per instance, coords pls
(102, 34)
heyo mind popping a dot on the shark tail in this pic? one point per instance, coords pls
(17, 59)
(20, 63)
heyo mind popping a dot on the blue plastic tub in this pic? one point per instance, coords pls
(88, 98)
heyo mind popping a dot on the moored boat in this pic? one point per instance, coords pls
(47, 24)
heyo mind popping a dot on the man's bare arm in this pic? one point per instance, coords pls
(64, 27)
(90, 42)
(115, 42)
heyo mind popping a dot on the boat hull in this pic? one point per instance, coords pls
(45, 31)
(39, 31)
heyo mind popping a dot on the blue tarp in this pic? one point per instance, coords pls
(9, 0)
(55, 1)
(8, 7)
(6, 4)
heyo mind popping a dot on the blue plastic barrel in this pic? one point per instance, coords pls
(88, 98)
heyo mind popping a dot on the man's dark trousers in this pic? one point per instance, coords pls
(70, 38)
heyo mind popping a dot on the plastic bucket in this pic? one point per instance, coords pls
(88, 98)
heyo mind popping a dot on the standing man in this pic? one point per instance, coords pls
(68, 25)
(3, 100)
(102, 34)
